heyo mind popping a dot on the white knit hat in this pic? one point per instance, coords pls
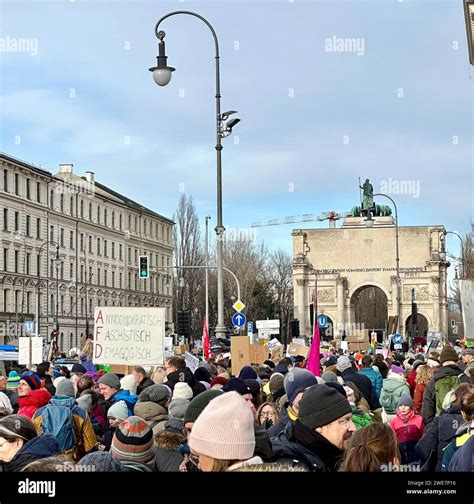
(58, 380)
(128, 383)
(118, 410)
(182, 391)
(225, 429)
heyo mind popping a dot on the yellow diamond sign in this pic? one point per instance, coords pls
(238, 306)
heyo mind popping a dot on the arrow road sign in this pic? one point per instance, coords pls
(397, 339)
(239, 319)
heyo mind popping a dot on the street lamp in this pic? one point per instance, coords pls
(469, 17)
(162, 75)
(462, 250)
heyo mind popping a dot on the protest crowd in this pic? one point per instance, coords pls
(361, 412)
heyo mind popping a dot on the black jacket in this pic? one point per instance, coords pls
(463, 459)
(364, 385)
(300, 447)
(284, 419)
(184, 375)
(48, 385)
(146, 382)
(438, 434)
(37, 448)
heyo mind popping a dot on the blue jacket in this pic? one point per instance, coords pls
(375, 377)
(463, 435)
(124, 395)
(463, 459)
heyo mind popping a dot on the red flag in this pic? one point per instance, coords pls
(206, 347)
(313, 362)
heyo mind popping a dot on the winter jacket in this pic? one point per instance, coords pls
(463, 459)
(146, 382)
(48, 385)
(288, 450)
(5, 403)
(463, 435)
(438, 434)
(185, 375)
(168, 458)
(275, 429)
(411, 379)
(364, 385)
(428, 410)
(263, 445)
(123, 395)
(82, 422)
(408, 432)
(360, 418)
(418, 397)
(37, 448)
(29, 404)
(375, 377)
(395, 386)
(469, 370)
(155, 415)
(88, 364)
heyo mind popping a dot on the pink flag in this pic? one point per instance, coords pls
(205, 342)
(314, 356)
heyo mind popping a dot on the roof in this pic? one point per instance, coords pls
(26, 165)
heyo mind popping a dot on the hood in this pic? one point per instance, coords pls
(37, 448)
(66, 401)
(465, 428)
(150, 411)
(395, 376)
(37, 398)
(451, 370)
(455, 409)
(169, 441)
(174, 425)
(124, 395)
(183, 375)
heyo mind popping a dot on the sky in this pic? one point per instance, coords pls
(327, 92)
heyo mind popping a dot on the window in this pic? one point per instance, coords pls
(51, 268)
(90, 244)
(113, 278)
(120, 222)
(129, 280)
(105, 217)
(82, 209)
(144, 227)
(28, 302)
(136, 256)
(120, 280)
(62, 306)
(28, 189)
(38, 265)
(51, 304)
(17, 300)
(99, 302)
(90, 211)
(38, 192)
(120, 252)
(71, 305)
(71, 205)
(98, 246)
(98, 276)
(71, 240)
(28, 263)
(51, 199)
(90, 274)
(82, 307)
(51, 233)
(6, 293)
(38, 228)
(90, 307)
(17, 257)
(5, 219)
(61, 203)
(82, 273)
(157, 231)
(129, 255)
(62, 270)
(71, 271)
(98, 215)
(113, 250)
(17, 221)
(5, 181)
(5, 259)
(136, 224)
(17, 184)
(28, 225)
(129, 222)
(61, 237)
(105, 277)
(105, 248)
(113, 220)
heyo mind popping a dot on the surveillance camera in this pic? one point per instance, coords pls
(232, 123)
(225, 115)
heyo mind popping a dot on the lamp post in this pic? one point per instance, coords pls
(162, 75)
(369, 223)
(462, 250)
(208, 218)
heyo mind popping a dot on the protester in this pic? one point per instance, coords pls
(31, 396)
(372, 449)
(84, 383)
(43, 371)
(381, 366)
(109, 387)
(20, 445)
(5, 403)
(393, 389)
(152, 406)
(100, 461)
(12, 381)
(424, 374)
(116, 414)
(89, 401)
(374, 376)
(468, 359)
(360, 416)
(203, 376)
(318, 438)
(344, 367)
(141, 379)
(177, 372)
(86, 356)
(267, 415)
(128, 383)
(357, 398)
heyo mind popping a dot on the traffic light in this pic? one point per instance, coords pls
(295, 328)
(143, 267)
(184, 323)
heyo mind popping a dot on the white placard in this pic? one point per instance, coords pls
(129, 336)
(24, 350)
(299, 341)
(268, 324)
(273, 343)
(191, 361)
(467, 300)
(344, 345)
(168, 343)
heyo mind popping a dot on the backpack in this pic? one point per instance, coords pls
(442, 387)
(389, 397)
(59, 422)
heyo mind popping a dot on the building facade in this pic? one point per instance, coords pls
(99, 235)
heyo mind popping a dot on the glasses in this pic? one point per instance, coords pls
(194, 459)
(267, 414)
(345, 422)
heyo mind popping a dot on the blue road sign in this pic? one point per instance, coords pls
(239, 319)
(397, 338)
(29, 326)
(250, 327)
(322, 320)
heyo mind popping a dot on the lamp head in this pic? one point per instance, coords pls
(161, 72)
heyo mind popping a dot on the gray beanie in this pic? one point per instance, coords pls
(100, 461)
(329, 376)
(177, 408)
(111, 380)
(406, 400)
(343, 363)
(155, 393)
(321, 405)
(85, 402)
(65, 388)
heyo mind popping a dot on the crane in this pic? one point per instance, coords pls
(332, 217)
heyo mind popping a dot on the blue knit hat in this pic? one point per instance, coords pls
(13, 380)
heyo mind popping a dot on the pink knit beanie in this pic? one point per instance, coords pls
(225, 429)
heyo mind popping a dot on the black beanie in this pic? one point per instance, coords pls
(197, 405)
(321, 405)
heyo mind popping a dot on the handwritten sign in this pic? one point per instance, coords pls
(191, 361)
(130, 336)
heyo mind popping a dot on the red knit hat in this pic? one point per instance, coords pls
(219, 380)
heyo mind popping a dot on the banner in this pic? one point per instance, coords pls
(24, 350)
(466, 288)
(130, 336)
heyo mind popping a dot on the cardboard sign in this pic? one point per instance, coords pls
(240, 352)
(24, 350)
(295, 349)
(129, 336)
(191, 362)
(272, 344)
(180, 349)
(277, 354)
(258, 354)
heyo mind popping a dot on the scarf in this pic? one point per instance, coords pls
(405, 418)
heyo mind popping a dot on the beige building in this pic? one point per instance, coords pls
(348, 260)
(100, 234)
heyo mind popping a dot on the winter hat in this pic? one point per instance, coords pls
(405, 400)
(417, 363)
(397, 369)
(42, 368)
(248, 373)
(225, 429)
(13, 380)
(321, 405)
(331, 361)
(281, 368)
(111, 380)
(133, 441)
(202, 375)
(197, 405)
(182, 391)
(78, 368)
(65, 388)
(254, 386)
(296, 381)
(329, 376)
(58, 380)
(128, 383)
(155, 393)
(118, 410)
(219, 380)
(343, 363)
(93, 375)
(100, 461)
(337, 386)
(276, 382)
(270, 364)
(448, 354)
(177, 408)
(468, 351)
(224, 375)
(236, 385)
(85, 402)
(33, 380)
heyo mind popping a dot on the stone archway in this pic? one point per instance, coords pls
(369, 306)
(327, 333)
(419, 331)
